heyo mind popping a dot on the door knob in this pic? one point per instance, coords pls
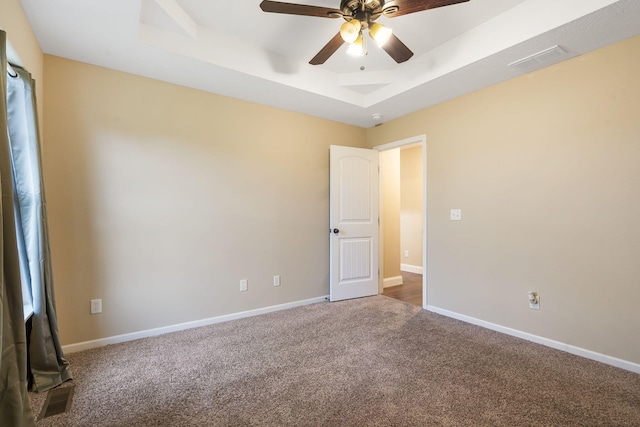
(336, 231)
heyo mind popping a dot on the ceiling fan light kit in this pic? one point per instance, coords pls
(350, 30)
(380, 33)
(357, 47)
(359, 16)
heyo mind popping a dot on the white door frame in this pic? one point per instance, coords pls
(420, 139)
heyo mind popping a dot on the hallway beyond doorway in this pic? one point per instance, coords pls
(410, 291)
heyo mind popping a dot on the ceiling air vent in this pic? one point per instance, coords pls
(541, 58)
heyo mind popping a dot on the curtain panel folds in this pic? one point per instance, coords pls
(15, 409)
(47, 366)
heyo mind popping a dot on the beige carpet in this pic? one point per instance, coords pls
(367, 362)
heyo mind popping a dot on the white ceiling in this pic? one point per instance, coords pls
(233, 48)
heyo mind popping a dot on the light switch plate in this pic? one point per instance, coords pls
(456, 214)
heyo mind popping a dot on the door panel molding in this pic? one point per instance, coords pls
(353, 200)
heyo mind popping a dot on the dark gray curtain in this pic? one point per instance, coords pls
(15, 409)
(47, 365)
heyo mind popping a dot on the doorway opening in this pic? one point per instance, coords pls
(403, 231)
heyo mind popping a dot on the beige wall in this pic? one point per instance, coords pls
(545, 168)
(19, 33)
(411, 196)
(161, 198)
(390, 202)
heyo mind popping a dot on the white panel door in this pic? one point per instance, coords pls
(353, 223)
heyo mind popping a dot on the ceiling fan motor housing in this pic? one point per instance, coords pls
(365, 11)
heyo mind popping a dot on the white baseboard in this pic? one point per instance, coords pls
(86, 345)
(578, 351)
(411, 268)
(387, 282)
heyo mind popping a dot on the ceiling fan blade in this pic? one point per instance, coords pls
(299, 9)
(328, 50)
(397, 50)
(404, 7)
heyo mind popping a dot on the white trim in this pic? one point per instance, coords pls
(86, 345)
(578, 351)
(417, 269)
(387, 282)
(422, 140)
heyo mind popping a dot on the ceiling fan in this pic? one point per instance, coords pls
(360, 15)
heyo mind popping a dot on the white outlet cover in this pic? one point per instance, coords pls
(456, 214)
(244, 285)
(96, 306)
(535, 306)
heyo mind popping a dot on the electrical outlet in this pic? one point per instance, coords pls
(534, 300)
(406, 254)
(276, 280)
(244, 285)
(456, 214)
(96, 306)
